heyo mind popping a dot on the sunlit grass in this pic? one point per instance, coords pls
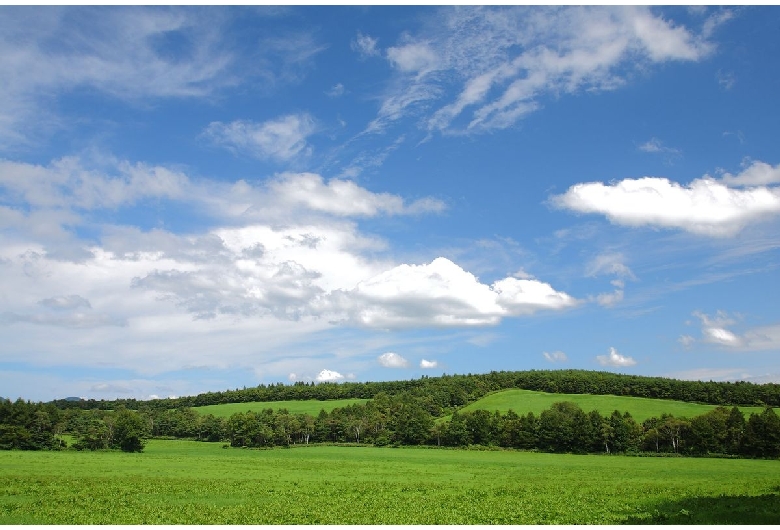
(309, 406)
(525, 401)
(176, 481)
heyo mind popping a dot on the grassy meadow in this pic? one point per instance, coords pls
(309, 406)
(177, 482)
(525, 401)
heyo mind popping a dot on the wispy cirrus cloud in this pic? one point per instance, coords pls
(502, 62)
(138, 55)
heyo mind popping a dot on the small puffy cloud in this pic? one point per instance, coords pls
(425, 364)
(417, 57)
(556, 357)
(713, 329)
(609, 299)
(292, 376)
(392, 360)
(706, 206)
(365, 45)
(615, 359)
(328, 376)
(721, 336)
(281, 139)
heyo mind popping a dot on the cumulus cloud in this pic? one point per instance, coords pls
(392, 360)
(442, 294)
(756, 174)
(556, 357)
(328, 376)
(425, 364)
(615, 359)
(706, 206)
(281, 139)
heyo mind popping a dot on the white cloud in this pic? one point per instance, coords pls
(392, 360)
(502, 60)
(67, 183)
(336, 91)
(756, 174)
(686, 340)
(365, 45)
(117, 51)
(281, 139)
(344, 197)
(610, 299)
(442, 294)
(609, 263)
(705, 207)
(714, 330)
(425, 364)
(615, 359)
(654, 145)
(417, 58)
(556, 357)
(328, 376)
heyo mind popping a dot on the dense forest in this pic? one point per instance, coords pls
(413, 412)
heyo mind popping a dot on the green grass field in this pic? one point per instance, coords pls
(178, 482)
(311, 406)
(525, 401)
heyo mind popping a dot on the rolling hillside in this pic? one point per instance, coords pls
(309, 406)
(525, 401)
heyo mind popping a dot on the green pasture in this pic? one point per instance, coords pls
(525, 401)
(309, 406)
(187, 482)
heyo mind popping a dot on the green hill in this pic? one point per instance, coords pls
(309, 406)
(525, 401)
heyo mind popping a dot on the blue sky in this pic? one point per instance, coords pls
(198, 199)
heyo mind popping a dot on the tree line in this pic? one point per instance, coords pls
(401, 419)
(452, 391)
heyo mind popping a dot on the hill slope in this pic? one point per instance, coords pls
(525, 401)
(309, 406)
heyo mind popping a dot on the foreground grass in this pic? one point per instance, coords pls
(175, 482)
(525, 401)
(309, 406)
